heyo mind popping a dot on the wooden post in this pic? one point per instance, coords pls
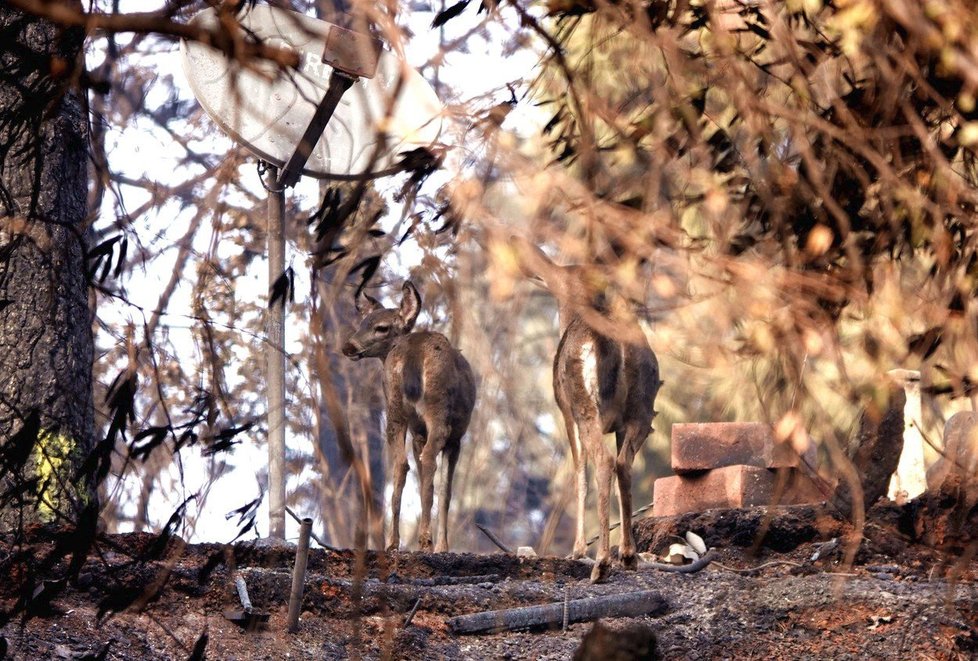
(299, 574)
(275, 362)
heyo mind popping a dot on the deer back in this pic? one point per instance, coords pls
(598, 375)
(425, 377)
(595, 373)
(428, 380)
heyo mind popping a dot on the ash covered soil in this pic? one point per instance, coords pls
(781, 586)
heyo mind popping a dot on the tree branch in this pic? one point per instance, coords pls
(228, 38)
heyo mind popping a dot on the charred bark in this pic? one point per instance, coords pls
(875, 455)
(46, 344)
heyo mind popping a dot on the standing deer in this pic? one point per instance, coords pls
(602, 385)
(430, 389)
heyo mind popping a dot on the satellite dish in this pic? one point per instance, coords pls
(268, 109)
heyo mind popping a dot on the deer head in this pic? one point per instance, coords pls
(382, 326)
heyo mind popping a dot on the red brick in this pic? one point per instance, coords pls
(728, 488)
(704, 446)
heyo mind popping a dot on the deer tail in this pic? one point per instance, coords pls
(413, 375)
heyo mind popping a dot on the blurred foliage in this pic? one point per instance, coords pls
(788, 189)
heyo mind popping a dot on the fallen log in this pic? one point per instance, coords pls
(632, 604)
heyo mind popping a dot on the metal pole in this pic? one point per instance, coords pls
(339, 82)
(299, 574)
(275, 362)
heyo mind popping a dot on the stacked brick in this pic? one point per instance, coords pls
(732, 465)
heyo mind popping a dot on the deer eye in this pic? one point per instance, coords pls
(382, 329)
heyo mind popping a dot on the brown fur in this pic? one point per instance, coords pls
(430, 390)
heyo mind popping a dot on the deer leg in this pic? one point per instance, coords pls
(604, 466)
(579, 457)
(580, 476)
(450, 459)
(623, 469)
(580, 487)
(426, 473)
(397, 454)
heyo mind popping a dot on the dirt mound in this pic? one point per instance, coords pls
(781, 587)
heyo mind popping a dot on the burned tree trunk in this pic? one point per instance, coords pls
(875, 454)
(46, 347)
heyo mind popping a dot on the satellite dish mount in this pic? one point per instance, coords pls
(352, 55)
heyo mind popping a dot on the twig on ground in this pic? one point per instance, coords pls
(299, 575)
(617, 524)
(410, 616)
(434, 581)
(311, 534)
(691, 568)
(492, 538)
(748, 570)
(566, 608)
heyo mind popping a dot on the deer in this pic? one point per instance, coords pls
(605, 379)
(430, 390)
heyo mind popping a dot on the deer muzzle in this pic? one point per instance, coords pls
(352, 350)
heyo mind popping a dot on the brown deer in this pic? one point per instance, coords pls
(430, 390)
(602, 384)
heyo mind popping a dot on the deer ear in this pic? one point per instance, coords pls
(372, 304)
(410, 305)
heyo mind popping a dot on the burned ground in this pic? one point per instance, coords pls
(781, 587)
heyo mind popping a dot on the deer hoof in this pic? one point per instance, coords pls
(629, 561)
(393, 547)
(441, 548)
(425, 545)
(600, 571)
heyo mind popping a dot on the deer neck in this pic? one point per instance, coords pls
(385, 351)
(614, 308)
(566, 315)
